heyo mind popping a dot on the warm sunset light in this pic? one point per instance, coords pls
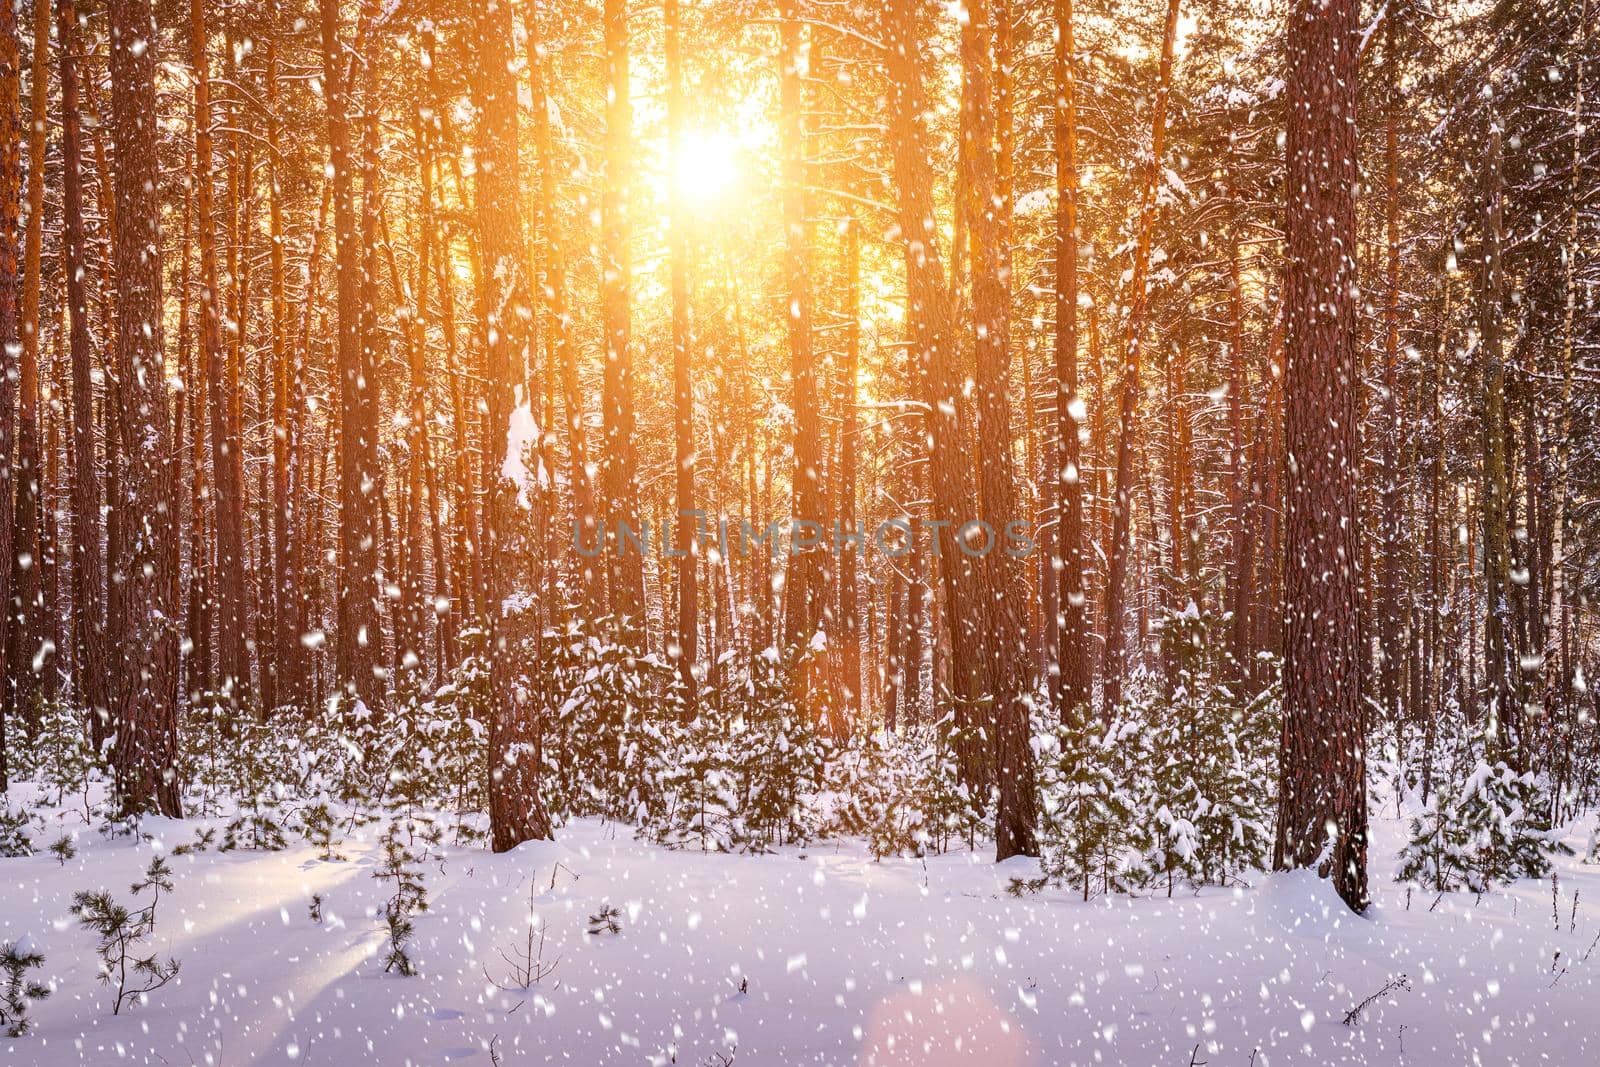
(706, 166)
(799, 533)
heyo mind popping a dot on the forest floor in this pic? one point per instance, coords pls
(807, 956)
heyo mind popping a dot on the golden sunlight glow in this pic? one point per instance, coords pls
(706, 165)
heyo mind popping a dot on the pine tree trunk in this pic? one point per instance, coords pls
(1122, 510)
(1502, 727)
(1074, 654)
(1550, 644)
(360, 640)
(930, 319)
(1241, 557)
(1390, 622)
(516, 811)
(88, 567)
(1003, 591)
(1322, 790)
(849, 611)
(26, 626)
(620, 477)
(146, 671)
(804, 580)
(227, 470)
(11, 298)
(287, 669)
(687, 623)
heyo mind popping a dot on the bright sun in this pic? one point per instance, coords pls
(707, 165)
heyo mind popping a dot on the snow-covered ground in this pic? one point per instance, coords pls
(813, 956)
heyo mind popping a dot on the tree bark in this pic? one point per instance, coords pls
(146, 671)
(1322, 786)
(685, 540)
(805, 579)
(930, 319)
(360, 639)
(620, 477)
(88, 566)
(516, 811)
(1502, 728)
(26, 630)
(288, 667)
(227, 456)
(1122, 511)
(11, 297)
(1003, 592)
(1074, 655)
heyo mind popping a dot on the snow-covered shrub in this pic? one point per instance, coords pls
(319, 828)
(596, 689)
(258, 791)
(1207, 785)
(871, 782)
(458, 729)
(63, 848)
(62, 757)
(17, 990)
(692, 801)
(1178, 788)
(737, 774)
(354, 763)
(951, 810)
(777, 753)
(1487, 828)
(14, 839)
(1086, 808)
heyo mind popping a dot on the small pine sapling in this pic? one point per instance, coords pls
(203, 839)
(608, 920)
(17, 958)
(317, 826)
(63, 849)
(409, 897)
(63, 755)
(257, 826)
(122, 930)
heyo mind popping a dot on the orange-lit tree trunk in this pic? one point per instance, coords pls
(146, 668)
(26, 623)
(804, 581)
(1322, 784)
(620, 477)
(1003, 590)
(591, 577)
(11, 296)
(1391, 630)
(1074, 655)
(360, 641)
(1503, 726)
(685, 585)
(516, 811)
(288, 668)
(1241, 555)
(423, 471)
(88, 566)
(849, 613)
(930, 317)
(1121, 508)
(227, 469)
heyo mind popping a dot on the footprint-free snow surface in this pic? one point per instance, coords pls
(808, 956)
